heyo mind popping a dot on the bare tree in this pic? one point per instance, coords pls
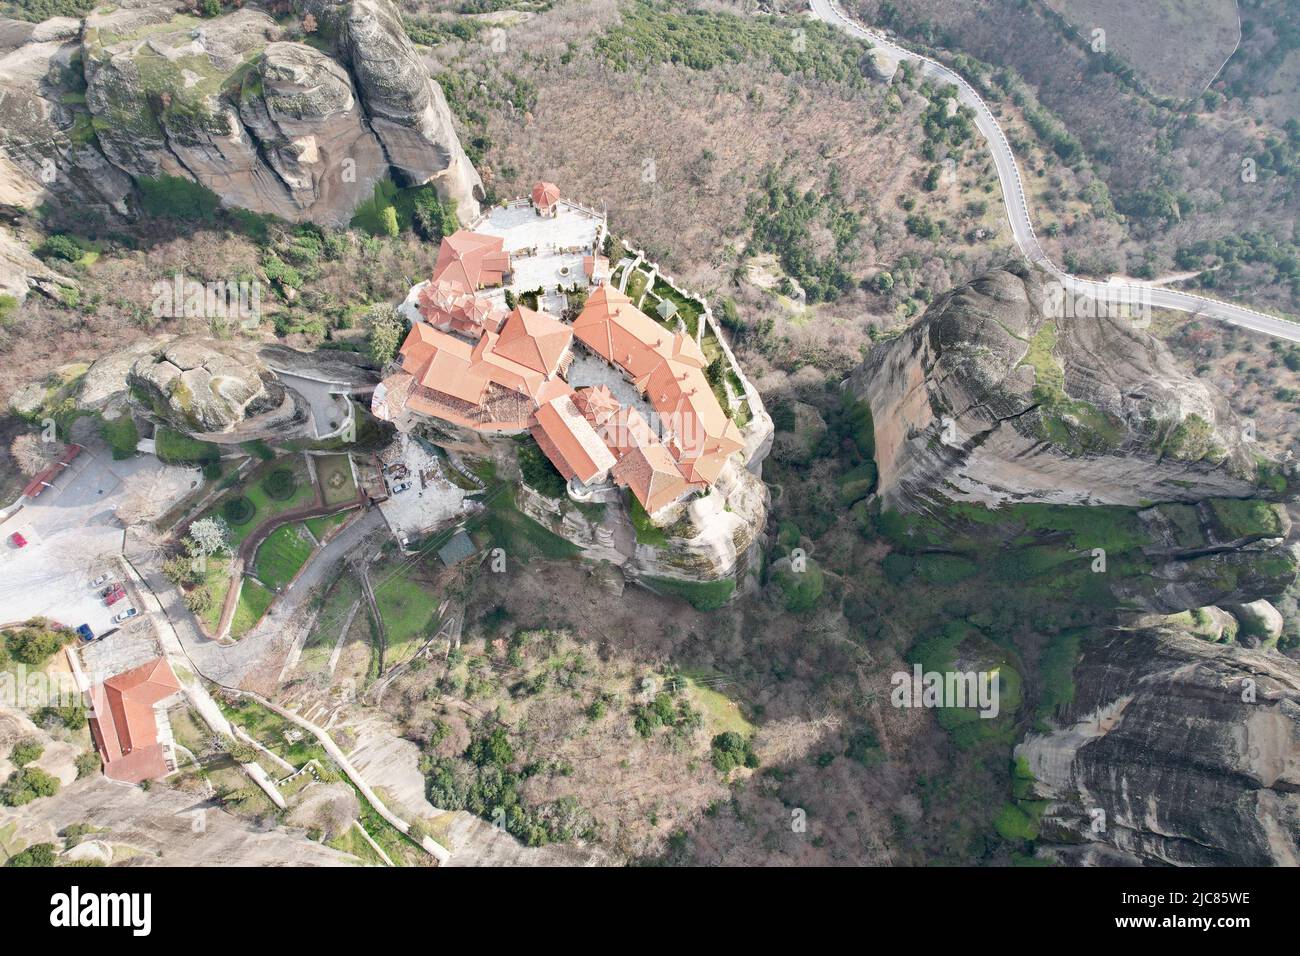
(34, 454)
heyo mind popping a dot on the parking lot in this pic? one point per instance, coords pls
(73, 537)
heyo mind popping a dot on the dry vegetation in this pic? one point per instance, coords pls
(1173, 169)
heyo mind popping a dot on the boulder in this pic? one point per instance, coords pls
(203, 385)
(269, 125)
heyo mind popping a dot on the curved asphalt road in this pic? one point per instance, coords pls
(1013, 194)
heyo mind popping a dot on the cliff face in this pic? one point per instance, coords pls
(715, 536)
(988, 399)
(1173, 750)
(269, 125)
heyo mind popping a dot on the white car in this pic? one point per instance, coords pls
(125, 615)
(100, 581)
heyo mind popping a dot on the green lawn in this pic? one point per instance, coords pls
(319, 527)
(217, 580)
(636, 284)
(409, 608)
(253, 602)
(335, 476)
(282, 554)
(688, 309)
(724, 714)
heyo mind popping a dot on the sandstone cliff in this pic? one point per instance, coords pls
(988, 399)
(706, 538)
(270, 125)
(1173, 750)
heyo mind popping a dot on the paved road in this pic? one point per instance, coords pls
(1017, 206)
(228, 664)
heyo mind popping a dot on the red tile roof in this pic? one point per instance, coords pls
(471, 261)
(124, 724)
(535, 340)
(545, 195)
(569, 440)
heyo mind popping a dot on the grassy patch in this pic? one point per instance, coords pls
(121, 435)
(334, 473)
(647, 532)
(702, 595)
(320, 527)
(176, 449)
(409, 607)
(1074, 425)
(253, 602)
(1247, 518)
(282, 555)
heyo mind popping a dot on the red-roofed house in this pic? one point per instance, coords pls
(470, 261)
(569, 440)
(126, 711)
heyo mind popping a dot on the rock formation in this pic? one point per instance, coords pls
(1173, 750)
(202, 385)
(986, 398)
(706, 538)
(269, 125)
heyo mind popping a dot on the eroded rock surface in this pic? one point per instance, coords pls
(988, 399)
(268, 124)
(1183, 751)
(204, 385)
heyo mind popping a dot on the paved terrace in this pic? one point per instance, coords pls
(571, 228)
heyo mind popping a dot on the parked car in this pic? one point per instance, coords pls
(100, 581)
(398, 489)
(115, 597)
(125, 615)
(85, 633)
(115, 586)
(18, 540)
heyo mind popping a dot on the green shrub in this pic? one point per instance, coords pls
(174, 448)
(38, 854)
(261, 449)
(121, 434)
(538, 472)
(27, 784)
(238, 511)
(33, 643)
(60, 247)
(280, 484)
(25, 751)
(730, 750)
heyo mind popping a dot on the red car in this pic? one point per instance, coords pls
(117, 595)
(18, 540)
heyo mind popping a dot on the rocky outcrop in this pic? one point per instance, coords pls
(987, 398)
(407, 110)
(203, 385)
(706, 538)
(269, 125)
(1173, 750)
(22, 273)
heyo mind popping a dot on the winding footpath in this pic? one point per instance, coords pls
(1017, 205)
